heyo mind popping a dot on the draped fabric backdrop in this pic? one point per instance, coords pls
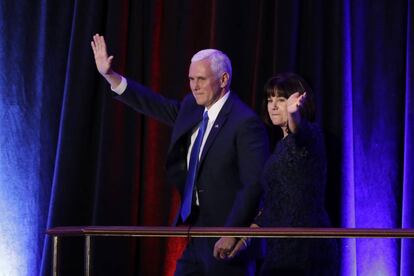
(71, 155)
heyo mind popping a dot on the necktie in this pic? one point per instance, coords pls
(192, 169)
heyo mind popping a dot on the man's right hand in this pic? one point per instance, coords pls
(103, 62)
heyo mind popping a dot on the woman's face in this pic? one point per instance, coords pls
(277, 108)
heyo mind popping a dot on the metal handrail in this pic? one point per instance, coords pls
(165, 231)
(265, 232)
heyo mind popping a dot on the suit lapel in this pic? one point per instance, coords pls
(189, 121)
(217, 126)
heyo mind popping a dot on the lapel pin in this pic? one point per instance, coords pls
(216, 126)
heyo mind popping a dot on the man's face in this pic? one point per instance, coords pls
(206, 87)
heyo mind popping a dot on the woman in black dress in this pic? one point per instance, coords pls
(294, 180)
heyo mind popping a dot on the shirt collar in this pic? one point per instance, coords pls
(216, 107)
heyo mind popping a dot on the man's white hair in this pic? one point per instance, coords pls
(219, 62)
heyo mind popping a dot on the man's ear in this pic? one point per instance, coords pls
(224, 80)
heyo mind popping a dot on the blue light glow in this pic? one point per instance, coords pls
(22, 196)
(19, 196)
(407, 245)
(348, 258)
(370, 180)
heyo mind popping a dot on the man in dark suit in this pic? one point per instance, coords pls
(216, 154)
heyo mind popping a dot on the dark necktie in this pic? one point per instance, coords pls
(192, 169)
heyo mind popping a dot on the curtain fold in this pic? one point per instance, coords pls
(347, 172)
(407, 245)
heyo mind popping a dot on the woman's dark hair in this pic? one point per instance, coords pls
(284, 85)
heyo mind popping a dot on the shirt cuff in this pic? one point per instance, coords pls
(121, 87)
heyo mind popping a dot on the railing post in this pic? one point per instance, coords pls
(87, 255)
(55, 266)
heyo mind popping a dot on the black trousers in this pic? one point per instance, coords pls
(198, 258)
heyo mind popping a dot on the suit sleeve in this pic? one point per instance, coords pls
(149, 103)
(252, 151)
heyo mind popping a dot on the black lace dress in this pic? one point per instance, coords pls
(294, 184)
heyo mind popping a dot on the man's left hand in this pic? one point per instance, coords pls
(224, 247)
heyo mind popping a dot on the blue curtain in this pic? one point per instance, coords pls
(29, 107)
(70, 155)
(377, 126)
(407, 207)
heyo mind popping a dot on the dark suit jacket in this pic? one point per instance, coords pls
(231, 161)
